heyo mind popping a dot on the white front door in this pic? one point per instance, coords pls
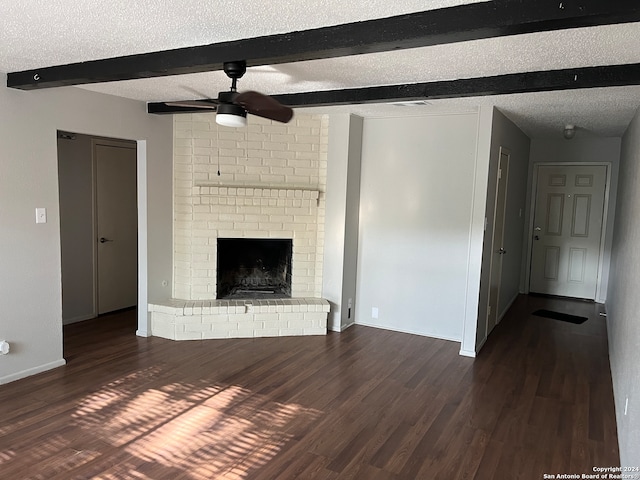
(567, 230)
(117, 226)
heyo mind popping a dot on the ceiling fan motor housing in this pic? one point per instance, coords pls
(236, 69)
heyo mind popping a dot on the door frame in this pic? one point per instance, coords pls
(532, 209)
(502, 151)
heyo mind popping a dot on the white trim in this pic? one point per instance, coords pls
(600, 295)
(32, 371)
(507, 152)
(603, 233)
(481, 344)
(506, 309)
(143, 261)
(476, 229)
(469, 353)
(108, 142)
(348, 325)
(80, 318)
(94, 225)
(411, 332)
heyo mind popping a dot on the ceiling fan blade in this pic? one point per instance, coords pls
(204, 104)
(264, 106)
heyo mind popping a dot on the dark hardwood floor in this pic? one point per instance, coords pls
(365, 404)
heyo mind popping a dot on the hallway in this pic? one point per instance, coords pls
(557, 415)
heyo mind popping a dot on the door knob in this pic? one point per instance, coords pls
(104, 240)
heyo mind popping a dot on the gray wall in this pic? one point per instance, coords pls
(30, 258)
(416, 212)
(589, 150)
(75, 180)
(341, 218)
(623, 300)
(352, 222)
(505, 133)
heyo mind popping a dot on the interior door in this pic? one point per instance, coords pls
(117, 223)
(498, 250)
(568, 217)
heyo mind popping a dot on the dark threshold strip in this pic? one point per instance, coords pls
(565, 317)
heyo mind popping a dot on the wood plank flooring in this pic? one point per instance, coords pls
(364, 404)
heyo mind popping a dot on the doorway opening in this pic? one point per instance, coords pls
(97, 179)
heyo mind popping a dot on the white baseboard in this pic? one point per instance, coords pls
(467, 353)
(32, 371)
(80, 318)
(142, 333)
(480, 345)
(340, 328)
(348, 325)
(422, 334)
(506, 309)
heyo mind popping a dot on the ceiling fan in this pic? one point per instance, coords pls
(232, 107)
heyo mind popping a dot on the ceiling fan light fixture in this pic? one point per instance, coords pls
(230, 115)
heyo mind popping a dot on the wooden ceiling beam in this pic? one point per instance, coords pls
(474, 21)
(528, 82)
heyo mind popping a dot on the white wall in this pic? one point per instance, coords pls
(623, 301)
(504, 133)
(589, 150)
(416, 217)
(30, 284)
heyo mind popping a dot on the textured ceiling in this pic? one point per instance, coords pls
(41, 34)
(38, 33)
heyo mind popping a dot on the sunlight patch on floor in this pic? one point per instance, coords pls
(205, 431)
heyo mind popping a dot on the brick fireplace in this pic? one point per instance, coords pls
(264, 182)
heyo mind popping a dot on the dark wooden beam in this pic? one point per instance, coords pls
(567, 79)
(448, 25)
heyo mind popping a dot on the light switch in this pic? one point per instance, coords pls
(41, 215)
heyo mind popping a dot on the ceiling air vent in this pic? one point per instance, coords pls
(416, 103)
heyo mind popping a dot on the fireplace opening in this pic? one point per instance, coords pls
(254, 268)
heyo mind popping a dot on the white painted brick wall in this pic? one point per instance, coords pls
(271, 185)
(216, 319)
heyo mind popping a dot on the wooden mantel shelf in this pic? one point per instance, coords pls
(256, 191)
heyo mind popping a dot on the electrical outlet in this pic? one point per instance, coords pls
(374, 312)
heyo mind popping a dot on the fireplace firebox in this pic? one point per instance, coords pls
(254, 268)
